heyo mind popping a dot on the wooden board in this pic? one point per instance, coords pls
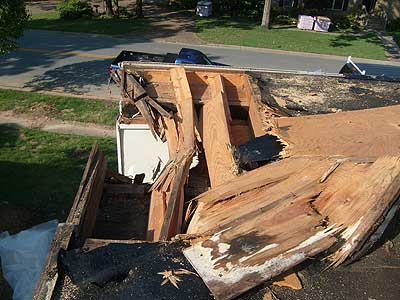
(359, 201)
(165, 220)
(49, 274)
(84, 208)
(216, 135)
(364, 133)
(159, 86)
(258, 230)
(240, 132)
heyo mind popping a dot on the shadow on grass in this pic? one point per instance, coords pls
(347, 39)
(227, 22)
(112, 26)
(40, 173)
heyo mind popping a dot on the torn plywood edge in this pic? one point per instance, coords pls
(364, 133)
(167, 199)
(84, 209)
(360, 203)
(287, 216)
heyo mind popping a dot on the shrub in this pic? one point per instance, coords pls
(74, 9)
(394, 25)
(343, 22)
(183, 4)
(284, 16)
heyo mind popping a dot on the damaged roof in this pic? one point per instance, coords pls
(327, 191)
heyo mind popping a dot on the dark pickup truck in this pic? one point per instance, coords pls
(185, 56)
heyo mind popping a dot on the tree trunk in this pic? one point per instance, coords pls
(109, 8)
(116, 5)
(139, 8)
(266, 14)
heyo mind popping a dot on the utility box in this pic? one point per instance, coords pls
(204, 8)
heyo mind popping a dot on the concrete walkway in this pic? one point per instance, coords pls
(392, 50)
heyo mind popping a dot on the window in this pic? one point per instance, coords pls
(326, 4)
(340, 4)
(288, 3)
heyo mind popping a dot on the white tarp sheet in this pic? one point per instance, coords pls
(23, 255)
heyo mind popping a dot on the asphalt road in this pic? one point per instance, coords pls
(77, 63)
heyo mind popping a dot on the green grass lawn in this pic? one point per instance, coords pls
(59, 107)
(112, 26)
(42, 170)
(227, 31)
(39, 175)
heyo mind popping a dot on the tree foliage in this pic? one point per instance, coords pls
(13, 16)
(74, 9)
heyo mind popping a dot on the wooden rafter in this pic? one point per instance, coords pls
(169, 188)
(215, 120)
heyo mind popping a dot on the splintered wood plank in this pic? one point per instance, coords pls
(165, 221)
(360, 202)
(185, 103)
(216, 135)
(273, 229)
(364, 133)
(156, 215)
(259, 230)
(174, 212)
(172, 136)
(262, 186)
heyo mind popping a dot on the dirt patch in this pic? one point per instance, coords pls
(51, 125)
(43, 110)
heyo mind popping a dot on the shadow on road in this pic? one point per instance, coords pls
(73, 78)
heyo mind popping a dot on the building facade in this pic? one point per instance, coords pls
(390, 7)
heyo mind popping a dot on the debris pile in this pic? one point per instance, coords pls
(249, 192)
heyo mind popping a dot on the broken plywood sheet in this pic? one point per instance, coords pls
(364, 133)
(276, 225)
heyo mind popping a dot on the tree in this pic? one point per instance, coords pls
(109, 8)
(139, 8)
(13, 16)
(266, 14)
